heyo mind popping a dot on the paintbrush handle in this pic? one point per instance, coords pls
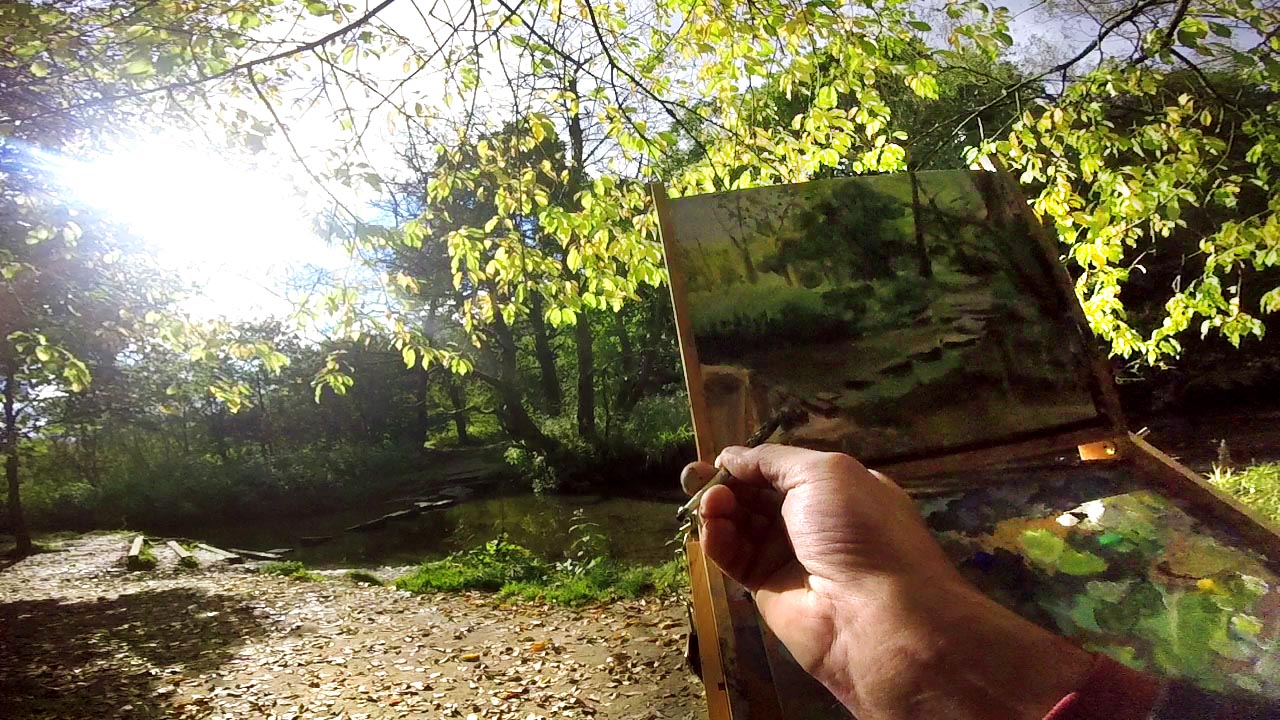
(719, 478)
(762, 433)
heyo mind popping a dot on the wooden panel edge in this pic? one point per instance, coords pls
(1182, 482)
(921, 476)
(684, 329)
(705, 624)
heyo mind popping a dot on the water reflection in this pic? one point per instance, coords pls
(637, 530)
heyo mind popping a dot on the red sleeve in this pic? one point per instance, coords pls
(1110, 691)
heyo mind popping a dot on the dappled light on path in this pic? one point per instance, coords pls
(80, 637)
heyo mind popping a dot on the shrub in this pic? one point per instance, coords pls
(513, 572)
(488, 567)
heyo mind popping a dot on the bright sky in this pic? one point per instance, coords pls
(234, 227)
(240, 226)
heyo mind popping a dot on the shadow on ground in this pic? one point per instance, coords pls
(108, 658)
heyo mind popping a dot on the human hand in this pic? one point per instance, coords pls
(848, 577)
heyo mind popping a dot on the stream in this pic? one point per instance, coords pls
(636, 530)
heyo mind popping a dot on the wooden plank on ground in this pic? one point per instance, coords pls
(257, 554)
(178, 550)
(135, 548)
(221, 554)
(185, 558)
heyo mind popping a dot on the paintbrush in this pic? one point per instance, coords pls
(787, 416)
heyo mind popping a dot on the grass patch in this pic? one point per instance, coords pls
(1257, 486)
(291, 569)
(513, 572)
(364, 578)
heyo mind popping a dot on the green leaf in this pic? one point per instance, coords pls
(923, 85)
(318, 8)
(44, 354)
(409, 355)
(1270, 302)
(40, 68)
(141, 66)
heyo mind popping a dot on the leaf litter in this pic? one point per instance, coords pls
(81, 637)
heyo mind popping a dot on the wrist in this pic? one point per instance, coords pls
(926, 652)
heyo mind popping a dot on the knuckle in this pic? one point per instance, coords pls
(839, 464)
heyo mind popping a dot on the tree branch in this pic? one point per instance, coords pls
(169, 87)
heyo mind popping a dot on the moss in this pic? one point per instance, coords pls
(291, 569)
(363, 578)
(1257, 486)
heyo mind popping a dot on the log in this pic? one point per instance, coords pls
(221, 554)
(402, 514)
(257, 555)
(434, 504)
(374, 524)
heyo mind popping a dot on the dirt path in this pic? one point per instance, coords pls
(82, 638)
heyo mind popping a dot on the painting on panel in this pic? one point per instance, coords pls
(887, 317)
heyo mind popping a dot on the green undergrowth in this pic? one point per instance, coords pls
(1257, 486)
(291, 569)
(512, 571)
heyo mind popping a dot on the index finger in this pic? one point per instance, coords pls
(785, 467)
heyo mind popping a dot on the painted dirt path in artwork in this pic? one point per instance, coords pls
(80, 637)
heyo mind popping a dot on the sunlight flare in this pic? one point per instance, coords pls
(232, 225)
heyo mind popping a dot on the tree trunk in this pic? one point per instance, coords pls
(926, 267)
(217, 429)
(546, 359)
(420, 402)
(515, 418)
(458, 398)
(743, 243)
(586, 380)
(631, 377)
(18, 520)
(264, 428)
(582, 329)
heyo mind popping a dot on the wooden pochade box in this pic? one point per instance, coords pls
(924, 325)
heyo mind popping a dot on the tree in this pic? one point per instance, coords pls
(74, 293)
(729, 96)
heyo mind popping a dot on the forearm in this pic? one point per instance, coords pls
(950, 654)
